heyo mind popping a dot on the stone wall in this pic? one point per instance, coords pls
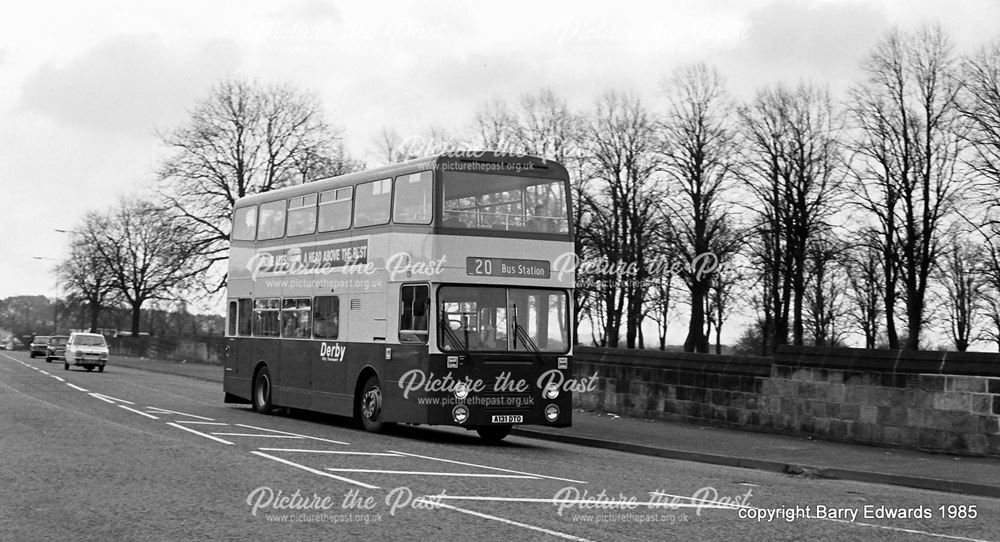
(205, 350)
(940, 401)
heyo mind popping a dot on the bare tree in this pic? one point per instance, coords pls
(85, 274)
(864, 263)
(961, 275)
(698, 155)
(907, 171)
(826, 292)
(981, 107)
(147, 251)
(623, 207)
(243, 138)
(791, 167)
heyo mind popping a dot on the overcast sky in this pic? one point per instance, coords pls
(84, 86)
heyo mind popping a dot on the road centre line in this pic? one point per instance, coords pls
(489, 468)
(254, 435)
(159, 410)
(314, 471)
(206, 435)
(192, 422)
(550, 532)
(101, 397)
(139, 412)
(539, 500)
(113, 399)
(337, 452)
(44, 373)
(293, 434)
(59, 378)
(75, 387)
(422, 473)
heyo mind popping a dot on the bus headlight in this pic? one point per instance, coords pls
(460, 413)
(551, 391)
(461, 390)
(552, 413)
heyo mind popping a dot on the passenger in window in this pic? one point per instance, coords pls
(291, 327)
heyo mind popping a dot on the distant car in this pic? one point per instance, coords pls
(86, 350)
(56, 349)
(39, 344)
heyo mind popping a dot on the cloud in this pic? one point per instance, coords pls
(128, 84)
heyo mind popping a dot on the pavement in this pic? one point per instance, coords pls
(793, 455)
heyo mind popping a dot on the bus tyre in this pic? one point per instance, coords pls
(493, 434)
(262, 391)
(370, 406)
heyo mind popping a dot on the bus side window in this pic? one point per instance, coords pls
(231, 320)
(245, 316)
(326, 317)
(413, 313)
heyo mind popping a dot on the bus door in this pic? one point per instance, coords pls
(296, 315)
(332, 393)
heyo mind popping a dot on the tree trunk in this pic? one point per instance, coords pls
(136, 315)
(696, 340)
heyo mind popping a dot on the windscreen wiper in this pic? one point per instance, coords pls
(450, 334)
(525, 338)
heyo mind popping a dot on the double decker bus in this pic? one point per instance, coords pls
(422, 292)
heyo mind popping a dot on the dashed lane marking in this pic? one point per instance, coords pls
(256, 435)
(199, 433)
(312, 470)
(292, 434)
(535, 528)
(428, 473)
(337, 452)
(139, 412)
(490, 468)
(158, 410)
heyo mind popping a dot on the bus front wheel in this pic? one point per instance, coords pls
(262, 391)
(370, 406)
(494, 433)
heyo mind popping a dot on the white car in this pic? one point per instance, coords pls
(86, 350)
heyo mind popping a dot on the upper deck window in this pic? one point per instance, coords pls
(414, 194)
(335, 209)
(245, 223)
(372, 203)
(504, 202)
(302, 215)
(272, 220)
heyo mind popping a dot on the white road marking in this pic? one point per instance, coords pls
(75, 387)
(423, 473)
(192, 422)
(102, 398)
(314, 471)
(550, 532)
(44, 373)
(489, 468)
(255, 435)
(112, 399)
(293, 434)
(206, 435)
(841, 521)
(539, 500)
(139, 412)
(338, 452)
(59, 378)
(159, 410)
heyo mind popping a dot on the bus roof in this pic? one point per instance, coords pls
(541, 167)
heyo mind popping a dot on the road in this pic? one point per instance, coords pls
(135, 455)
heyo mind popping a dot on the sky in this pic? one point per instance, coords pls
(85, 87)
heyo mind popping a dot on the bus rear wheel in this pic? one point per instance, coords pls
(493, 434)
(370, 406)
(262, 391)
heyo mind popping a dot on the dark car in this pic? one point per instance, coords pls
(39, 345)
(56, 349)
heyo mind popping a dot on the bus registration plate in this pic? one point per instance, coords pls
(507, 418)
